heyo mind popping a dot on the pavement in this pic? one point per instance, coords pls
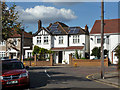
(110, 78)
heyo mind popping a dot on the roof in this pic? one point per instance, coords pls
(16, 35)
(111, 26)
(68, 48)
(58, 28)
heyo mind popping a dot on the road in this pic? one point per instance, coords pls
(65, 77)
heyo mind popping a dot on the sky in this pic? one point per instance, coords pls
(70, 13)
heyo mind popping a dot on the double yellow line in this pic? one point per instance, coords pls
(106, 83)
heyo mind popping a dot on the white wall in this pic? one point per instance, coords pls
(113, 42)
(81, 38)
(56, 41)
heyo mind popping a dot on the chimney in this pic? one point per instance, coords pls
(39, 24)
(86, 28)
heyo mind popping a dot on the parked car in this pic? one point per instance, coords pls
(14, 74)
(4, 58)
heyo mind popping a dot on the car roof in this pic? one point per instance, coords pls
(10, 60)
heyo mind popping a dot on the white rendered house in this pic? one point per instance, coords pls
(111, 37)
(63, 40)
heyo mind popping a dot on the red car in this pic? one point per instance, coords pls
(14, 74)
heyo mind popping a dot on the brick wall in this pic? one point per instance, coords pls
(39, 63)
(87, 62)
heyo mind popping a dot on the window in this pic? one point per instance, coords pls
(38, 40)
(2, 54)
(47, 57)
(15, 41)
(76, 39)
(99, 40)
(61, 40)
(45, 39)
(29, 54)
(2, 43)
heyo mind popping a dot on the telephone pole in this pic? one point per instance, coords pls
(102, 39)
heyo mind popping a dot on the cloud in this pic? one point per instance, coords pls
(46, 14)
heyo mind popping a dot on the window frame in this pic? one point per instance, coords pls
(46, 39)
(76, 39)
(60, 39)
(39, 40)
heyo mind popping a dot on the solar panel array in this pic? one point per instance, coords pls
(74, 30)
(54, 29)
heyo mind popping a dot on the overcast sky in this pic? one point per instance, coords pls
(70, 13)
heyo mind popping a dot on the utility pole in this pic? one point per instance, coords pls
(102, 39)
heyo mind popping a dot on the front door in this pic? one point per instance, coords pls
(60, 56)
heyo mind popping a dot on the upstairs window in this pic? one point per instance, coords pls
(45, 39)
(99, 39)
(2, 43)
(38, 40)
(61, 40)
(76, 39)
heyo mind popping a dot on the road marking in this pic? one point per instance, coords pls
(47, 74)
(106, 83)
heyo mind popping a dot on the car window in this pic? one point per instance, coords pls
(12, 65)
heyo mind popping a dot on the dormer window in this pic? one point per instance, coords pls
(60, 39)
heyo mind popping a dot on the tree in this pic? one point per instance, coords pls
(96, 52)
(40, 52)
(117, 53)
(76, 54)
(9, 23)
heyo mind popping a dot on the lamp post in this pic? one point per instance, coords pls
(102, 39)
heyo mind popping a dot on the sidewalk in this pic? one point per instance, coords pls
(110, 78)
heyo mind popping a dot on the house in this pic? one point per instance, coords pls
(111, 37)
(62, 39)
(14, 44)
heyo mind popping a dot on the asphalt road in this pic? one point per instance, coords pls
(69, 78)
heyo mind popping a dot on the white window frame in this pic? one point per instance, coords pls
(2, 43)
(76, 39)
(39, 40)
(2, 54)
(46, 40)
(99, 37)
(60, 39)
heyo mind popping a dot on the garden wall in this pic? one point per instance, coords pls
(87, 62)
(39, 63)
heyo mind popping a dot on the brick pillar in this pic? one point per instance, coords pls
(35, 60)
(70, 59)
(51, 59)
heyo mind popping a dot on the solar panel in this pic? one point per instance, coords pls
(57, 32)
(54, 25)
(74, 30)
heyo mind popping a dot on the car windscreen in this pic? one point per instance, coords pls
(12, 65)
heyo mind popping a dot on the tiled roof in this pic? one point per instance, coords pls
(68, 48)
(16, 35)
(111, 26)
(61, 28)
